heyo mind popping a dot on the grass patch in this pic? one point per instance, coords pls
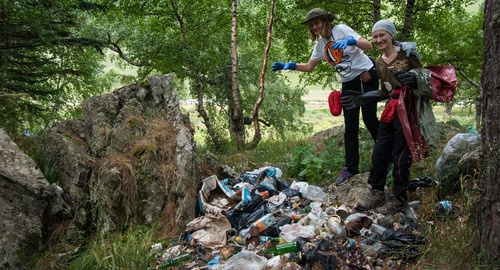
(130, 250)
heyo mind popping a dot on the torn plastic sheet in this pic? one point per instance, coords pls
(211, 188)
(210, 232)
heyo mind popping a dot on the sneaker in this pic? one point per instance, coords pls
(392, 206)
(344, 176)
(375, 199)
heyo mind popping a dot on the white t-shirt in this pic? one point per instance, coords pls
(352, 61)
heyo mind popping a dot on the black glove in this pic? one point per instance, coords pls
(354, 99)
(407, 78)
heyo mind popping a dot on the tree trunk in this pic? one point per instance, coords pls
(255, 110)
(408, 25)
(376, 10)
(488, 208)
(200, 108)
(237, 115)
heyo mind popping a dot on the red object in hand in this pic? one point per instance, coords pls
(334, 103)
(444, 82)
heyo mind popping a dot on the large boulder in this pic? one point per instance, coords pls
(130, 160)
(458, 159)
(25, 195)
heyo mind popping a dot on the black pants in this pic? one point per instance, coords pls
(351, 120)
(391, 146)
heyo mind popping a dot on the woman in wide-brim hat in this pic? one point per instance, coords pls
(343, 47)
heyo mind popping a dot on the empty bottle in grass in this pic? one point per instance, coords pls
(176, 260)
(472, 131)
(284, 248)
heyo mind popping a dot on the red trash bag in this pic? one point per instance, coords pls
(334, 103)
(444, 82)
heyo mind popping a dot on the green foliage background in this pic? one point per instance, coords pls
(53, 52)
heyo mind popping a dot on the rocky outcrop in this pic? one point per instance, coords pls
(130, 160)
(25, 195)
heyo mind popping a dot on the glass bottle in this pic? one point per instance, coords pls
(284, 248)
(176, 260)
(264, 239)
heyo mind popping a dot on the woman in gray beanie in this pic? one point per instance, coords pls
(393, 67)
(343, 48)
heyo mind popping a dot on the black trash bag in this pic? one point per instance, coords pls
(294, 257)
(282, 184)
(231, 181)
(290, 192)
(242, 218)
(320, 257)
(372, 238)
(395, 239)
(253, 179)
(274, 230)
(401, 246)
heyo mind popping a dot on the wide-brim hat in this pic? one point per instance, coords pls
(316, 14)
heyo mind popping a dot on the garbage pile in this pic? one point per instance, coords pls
(261, 221)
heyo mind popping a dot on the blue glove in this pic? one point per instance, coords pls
(342, 44)
(280, 65)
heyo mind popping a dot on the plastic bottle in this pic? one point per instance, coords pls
(265, 221)
(176, 260)
(244, 234)
(335, 228)
(291, 214)
(284, 248)
(410, 213)
(444, 207)
(378, 228)
(472, 131)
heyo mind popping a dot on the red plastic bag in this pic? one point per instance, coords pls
(444, 82)
(334, 103)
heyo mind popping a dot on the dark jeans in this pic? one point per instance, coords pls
(351, 120)
(391, 146)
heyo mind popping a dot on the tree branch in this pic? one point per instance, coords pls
(116, 48)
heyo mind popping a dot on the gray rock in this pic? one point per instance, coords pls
(130, 160)
(447, 166)
(24, 195)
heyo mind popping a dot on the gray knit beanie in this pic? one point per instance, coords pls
(387, 26)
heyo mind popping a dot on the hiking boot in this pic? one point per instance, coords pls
(344, 176)
(392, 206)
(375, 199)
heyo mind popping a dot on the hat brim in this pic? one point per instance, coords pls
(329, 17)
